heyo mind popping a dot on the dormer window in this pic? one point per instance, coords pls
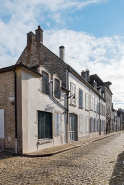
(57, 89)
(45, 83)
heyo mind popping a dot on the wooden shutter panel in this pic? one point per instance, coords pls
(80, 98)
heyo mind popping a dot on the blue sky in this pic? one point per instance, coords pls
(92, 32)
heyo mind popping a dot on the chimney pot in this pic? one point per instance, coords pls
(62, 52)
(29, 38)
(39, 35)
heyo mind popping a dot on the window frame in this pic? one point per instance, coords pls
(72, 100)
(80, 95)
(86, 101)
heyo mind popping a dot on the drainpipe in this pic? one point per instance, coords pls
(99, 119)
(16, 147)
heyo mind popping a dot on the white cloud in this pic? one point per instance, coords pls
(83, 51)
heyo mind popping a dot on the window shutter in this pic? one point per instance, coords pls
(1, 123)
(94, 104)
(95, 125)
(81, 123)
(90, 125)
(57, 124)
(80, 98)
(90, 101)
(86, 122)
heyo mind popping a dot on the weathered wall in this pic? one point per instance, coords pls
(38, 54)
(33, 100)
(7, 101)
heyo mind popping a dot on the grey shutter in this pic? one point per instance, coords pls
(81, 123)
(94, 125)
(90, 125)
(80, 98)
(1, 123)
(57, 124)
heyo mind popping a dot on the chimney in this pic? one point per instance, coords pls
(39, 34)
(62, 52)
(86, 75)
(95, 85)
(29, 38)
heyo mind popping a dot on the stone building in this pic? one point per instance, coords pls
(32, 113)
(44, 102)
(104, 90)
(36, 54)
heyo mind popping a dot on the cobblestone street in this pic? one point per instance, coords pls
(101, 162)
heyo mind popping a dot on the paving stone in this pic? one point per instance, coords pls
(98, 163)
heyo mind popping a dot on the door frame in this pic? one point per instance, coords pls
(76, 127)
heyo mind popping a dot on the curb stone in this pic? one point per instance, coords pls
(66, 149)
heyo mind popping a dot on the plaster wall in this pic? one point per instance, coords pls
(33, 100)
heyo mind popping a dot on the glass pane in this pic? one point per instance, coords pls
(44, 125)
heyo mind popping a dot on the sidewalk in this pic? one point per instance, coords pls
(61, 148)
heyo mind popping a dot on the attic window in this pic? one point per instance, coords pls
(45, 83)
(57, 88)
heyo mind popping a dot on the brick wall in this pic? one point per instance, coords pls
(38, 54)
(7, 103)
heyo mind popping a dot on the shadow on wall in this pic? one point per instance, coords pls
(117, 177)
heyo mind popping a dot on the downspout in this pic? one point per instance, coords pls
(15, 111)
(99, 119)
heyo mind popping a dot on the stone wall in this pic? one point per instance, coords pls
(7, 103)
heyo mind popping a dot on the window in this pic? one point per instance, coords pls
(57, 89)
(44, 125)
(87, 124)
(45, 83)
(100, 108)
(86, 102)
(90, 101)
(80, 98)
(97, 125)
(94, 104)
(97, 106)
(73, 92)
(91, 125)
(57, 124)
(81, 123)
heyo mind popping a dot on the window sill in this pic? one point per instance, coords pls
(73, 105)
(86, 110)
(44, 141)
(81, 108)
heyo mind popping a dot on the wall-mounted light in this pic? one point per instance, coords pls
(73, 96)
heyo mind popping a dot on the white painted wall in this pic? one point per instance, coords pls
(78, 111)
(37, 101)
